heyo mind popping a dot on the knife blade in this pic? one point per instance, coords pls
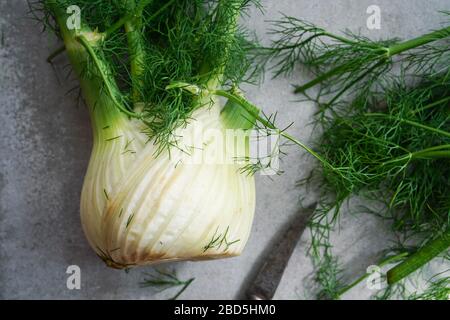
(268, 278)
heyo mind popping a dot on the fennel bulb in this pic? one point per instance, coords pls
(139, 207)
(160, 184)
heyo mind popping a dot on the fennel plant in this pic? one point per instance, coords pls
(152, 73)
(141, 202)
(386, 136)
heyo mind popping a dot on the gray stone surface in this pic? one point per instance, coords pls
(45, 144)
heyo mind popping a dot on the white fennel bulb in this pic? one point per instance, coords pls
(145, 200)
(140, 207)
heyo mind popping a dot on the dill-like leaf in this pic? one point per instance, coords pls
(385, 135)
(220, 240)
(163, 280)
(197, 41)
(349, 63)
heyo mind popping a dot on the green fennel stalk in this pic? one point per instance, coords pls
(128, 53)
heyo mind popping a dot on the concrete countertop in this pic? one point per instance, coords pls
(45, 144)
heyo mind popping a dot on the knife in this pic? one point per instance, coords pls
(269, 276)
